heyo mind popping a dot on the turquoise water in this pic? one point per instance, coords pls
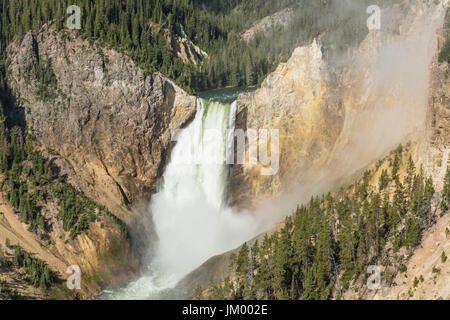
(226, 96)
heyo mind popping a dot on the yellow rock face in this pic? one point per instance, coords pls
(336, 117)
(298, 101)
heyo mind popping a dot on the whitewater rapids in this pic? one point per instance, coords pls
(190, 213)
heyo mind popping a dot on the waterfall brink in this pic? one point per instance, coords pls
(189, 212)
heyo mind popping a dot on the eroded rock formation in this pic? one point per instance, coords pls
(108, 120)
(437, 139)
(336, 117)
(105, 125)
(299, 101)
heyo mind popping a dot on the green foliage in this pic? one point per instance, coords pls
(28, 268)
(122, 25)
(25, 172)
(136, 27)
(37, 272)
(416, 282)
(447, 19)
(444, 54)
(29, 183)
(329, 243)
(78, 211)
(43, 72)
(198, 293)
(446, 189)
(384, 180)
(7, 293)
(403, 268)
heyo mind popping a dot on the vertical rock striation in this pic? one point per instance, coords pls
(108, 120)
(336, 117)
(105, 125)
(437, 140)
(299, 101)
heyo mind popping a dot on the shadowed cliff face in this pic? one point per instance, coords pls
(106, 126)
(436, 142)
(107, 123)
(336, 117)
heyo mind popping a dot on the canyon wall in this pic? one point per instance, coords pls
(436, 141)
(432, 152)
(429, 147)
(336, 117)
(107, 123)
(298, 99)
(106, 126)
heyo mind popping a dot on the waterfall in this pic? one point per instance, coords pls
(189, 211)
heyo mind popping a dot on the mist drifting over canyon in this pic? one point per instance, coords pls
(236, 149)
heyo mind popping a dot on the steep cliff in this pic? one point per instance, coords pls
(299, 100)
(278, 19)
(427, 271)
(391, 90)
(103, 126)
(104, 118)
(336, 117)
(437, 140)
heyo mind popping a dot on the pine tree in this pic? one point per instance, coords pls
(384, 180)
(282, 272)
(411, 170)
(243, 261)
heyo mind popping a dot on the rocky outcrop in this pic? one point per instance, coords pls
(426, 263)
(180, 45)
(437, 140)
(184, 48)
(336, 117)
(299, 101)
(106, 122)
(278, 19)
(107, 127)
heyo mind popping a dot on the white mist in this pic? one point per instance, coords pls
(190, 213)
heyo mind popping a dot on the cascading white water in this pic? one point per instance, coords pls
(190, 214)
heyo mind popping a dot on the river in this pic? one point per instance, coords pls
(189, 212)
